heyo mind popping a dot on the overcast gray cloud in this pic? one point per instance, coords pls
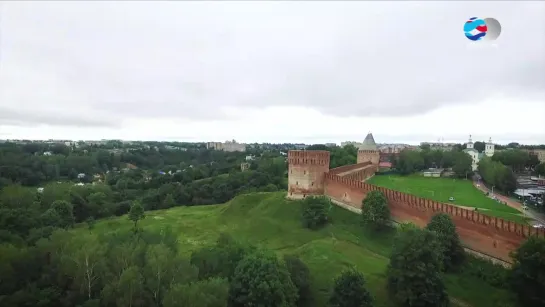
(9, 116)
(99, 62)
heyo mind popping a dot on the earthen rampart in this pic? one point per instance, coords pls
(478, 231)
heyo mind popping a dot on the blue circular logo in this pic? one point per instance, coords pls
(477, 29)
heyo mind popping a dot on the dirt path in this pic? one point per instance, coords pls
(458, 302)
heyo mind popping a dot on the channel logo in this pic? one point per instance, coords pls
(486, 29)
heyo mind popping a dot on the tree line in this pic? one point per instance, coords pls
(496, 174)
(36, 163)
(411, 161)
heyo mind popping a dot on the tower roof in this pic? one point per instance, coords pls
(369, 143)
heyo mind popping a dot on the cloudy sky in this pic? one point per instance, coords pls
(270, 71)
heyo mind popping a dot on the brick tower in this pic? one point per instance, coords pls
(306, 170)
(368, 151)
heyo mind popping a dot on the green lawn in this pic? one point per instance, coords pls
(271, 221)
(440, 189)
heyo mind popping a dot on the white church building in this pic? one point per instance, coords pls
(476, 156)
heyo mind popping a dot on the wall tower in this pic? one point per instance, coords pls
(306, 171)
(368, 151)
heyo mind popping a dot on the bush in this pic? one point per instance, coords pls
(315, 212)
(349, 291)
(300, 276)
(485, 270)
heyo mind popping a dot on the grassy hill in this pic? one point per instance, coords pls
(441, 189)
(271, 221)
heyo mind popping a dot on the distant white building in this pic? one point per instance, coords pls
(476, 156)
(230, 146)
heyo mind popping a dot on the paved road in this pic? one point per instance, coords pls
(539, 217)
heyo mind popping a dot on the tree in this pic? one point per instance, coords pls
(129, 287)
(300, 275)
(349, 291)
(462, 164)
(164, 268)
(496, 174)
(479, 146)
(375, 211)
(168, 202)
(84, 262)
(262, 280)
(409, 161)
(220, 260)
(65, 212)
(90, 223)
(51, 218)
(516, 159)
(413, 274)
(453, 252)
(540, 169)
(211, 292)
(533, 161)
(136, 213)
(315, 212)
(156, 271)
(527, 274)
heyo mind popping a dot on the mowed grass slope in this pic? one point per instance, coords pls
(441, 189)
(270, 221)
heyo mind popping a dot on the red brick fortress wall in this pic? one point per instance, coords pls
(306, 170)
(488, 235)
(360, 171)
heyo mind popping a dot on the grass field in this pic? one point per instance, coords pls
(269, 220)
(440, 189)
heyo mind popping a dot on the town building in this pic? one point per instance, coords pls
(439, 145)
(230, 146)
